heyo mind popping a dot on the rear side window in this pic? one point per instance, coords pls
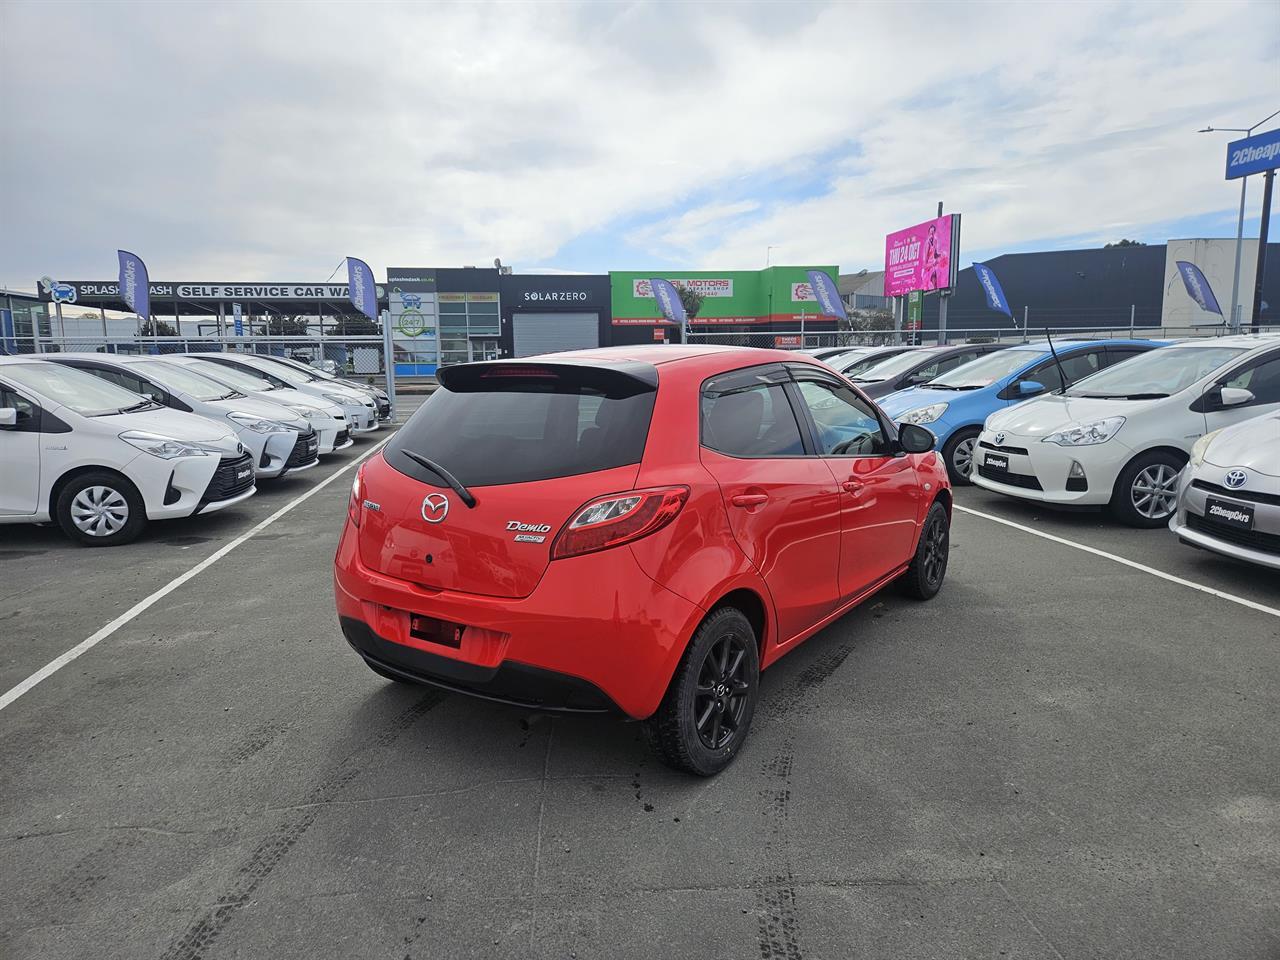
(753, 420)
(506, 428)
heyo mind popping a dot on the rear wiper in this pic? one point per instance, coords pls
(463, 493)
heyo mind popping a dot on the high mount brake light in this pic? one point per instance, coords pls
(357, 496)
(618, 518)
(523, 373)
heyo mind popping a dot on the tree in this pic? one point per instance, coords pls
(689, 299)
(356, 326)
(875, 327)
(281, 325)
(1125, 243)
(156, 328)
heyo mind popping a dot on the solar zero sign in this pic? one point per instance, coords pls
(1253, 155)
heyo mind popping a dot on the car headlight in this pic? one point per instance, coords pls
(924, 414)
(166, 448)
(1086, 434)
(339, 399)
(307, 412)
(1201, 447)
(257, 424)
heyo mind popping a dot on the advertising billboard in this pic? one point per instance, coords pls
(922, 257)
(730, 297)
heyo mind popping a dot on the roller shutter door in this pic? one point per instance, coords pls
(552, 332)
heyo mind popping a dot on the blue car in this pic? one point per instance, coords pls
(955, 405)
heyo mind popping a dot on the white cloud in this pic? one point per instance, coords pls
(276, 138)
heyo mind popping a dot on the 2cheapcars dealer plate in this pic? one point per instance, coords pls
(636, 531)
(1239, 515)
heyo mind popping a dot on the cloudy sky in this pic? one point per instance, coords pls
(253, 141)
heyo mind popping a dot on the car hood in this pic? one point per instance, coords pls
(911, 398)
(1254, 444)
(1042, 416)
(264, 409)
(175, 424)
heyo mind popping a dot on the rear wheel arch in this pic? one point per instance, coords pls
(751, 605)
(60, 484)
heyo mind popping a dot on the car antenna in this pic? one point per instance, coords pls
(1061, 373)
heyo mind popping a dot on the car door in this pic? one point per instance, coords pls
(782, 501)
(1260, 376)
(19, 456)
(879, 494)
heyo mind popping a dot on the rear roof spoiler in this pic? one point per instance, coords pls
(623, 376)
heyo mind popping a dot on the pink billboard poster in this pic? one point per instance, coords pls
(918, 258)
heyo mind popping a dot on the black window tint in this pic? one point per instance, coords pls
(1262, 380)
(28, 421)
(846, 425)
(517, 430)
(752, 420)
(1116, 355)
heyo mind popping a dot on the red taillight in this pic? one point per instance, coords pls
(357, 496)
(618, 518)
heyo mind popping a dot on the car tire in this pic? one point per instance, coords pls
(958, 455)
(1146, 492)
(924, 577)
(717, 682)
(100, 509)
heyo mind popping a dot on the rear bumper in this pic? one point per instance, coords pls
(511, 683)
(596, 634)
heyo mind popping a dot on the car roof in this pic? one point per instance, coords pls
(1250, 341)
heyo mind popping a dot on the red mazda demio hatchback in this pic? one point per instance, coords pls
(637, 530)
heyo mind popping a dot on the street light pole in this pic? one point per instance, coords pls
(1244, 182)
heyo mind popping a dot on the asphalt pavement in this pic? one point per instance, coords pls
(1058, 757)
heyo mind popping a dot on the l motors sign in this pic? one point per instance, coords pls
(704, 286)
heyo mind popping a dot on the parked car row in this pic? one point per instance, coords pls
(1184, 434)
(101, 443)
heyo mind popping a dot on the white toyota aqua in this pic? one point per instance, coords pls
(101, 461)
(1121, 437)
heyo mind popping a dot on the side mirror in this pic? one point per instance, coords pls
(8, 418)
(1235, 396)
(913, 438)
(1029, 388)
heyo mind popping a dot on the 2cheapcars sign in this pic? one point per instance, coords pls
(729, 297)
(110, 290)
(1253, 154)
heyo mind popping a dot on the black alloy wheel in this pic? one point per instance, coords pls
(720, 697)
(924, 577)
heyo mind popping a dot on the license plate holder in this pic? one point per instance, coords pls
(1236, 515)
(996, 461)
(431, 630)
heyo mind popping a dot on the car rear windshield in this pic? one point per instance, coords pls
(503, 426)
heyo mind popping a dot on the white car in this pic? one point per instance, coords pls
(361, 411)
(101, 461)
(1121, 436)
(327, 419)
(1229, 494)
(279, 440)
(380, 397)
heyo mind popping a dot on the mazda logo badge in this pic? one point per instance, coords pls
(1236, 478)
(435, 507)
(999, 438)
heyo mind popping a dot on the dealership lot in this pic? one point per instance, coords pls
(1060, 756)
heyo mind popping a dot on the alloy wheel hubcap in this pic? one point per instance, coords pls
(1155, 491)
(99, 511)
(962, 459)
(720, 696)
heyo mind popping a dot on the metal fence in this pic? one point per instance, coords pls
(810, 339)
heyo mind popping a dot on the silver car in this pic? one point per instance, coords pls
(1229, 493)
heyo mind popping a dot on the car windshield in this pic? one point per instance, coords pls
(287, 373)
(986, 370)
(176, 377)
(236, 377)
(82, 392)
(853, 370)
(1157, 373)
(888, 369)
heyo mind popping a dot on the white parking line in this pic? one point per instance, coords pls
(84, 646)
(1251, 604)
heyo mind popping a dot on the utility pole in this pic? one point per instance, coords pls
(1267, 181)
